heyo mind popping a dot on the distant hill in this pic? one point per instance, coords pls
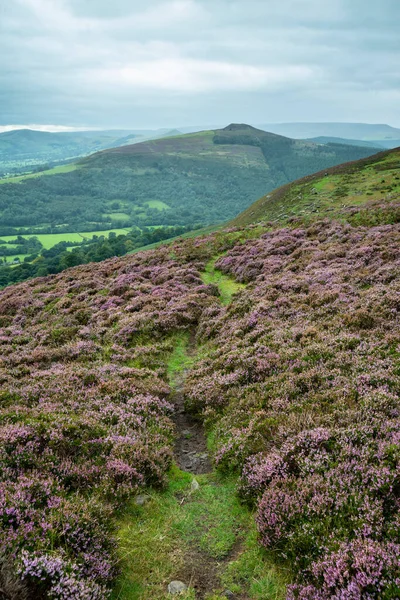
(201, 178)
(337, 190)
(354, 131)
(325, 139)
(24, 148)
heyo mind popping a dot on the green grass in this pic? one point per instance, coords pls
(118, 216)
(53, 171)
(20, 256)
(51, 239)
(179, 360)
(328, 194)
(253, 569)
(158, 204)
(227, 286)
(204, 535)
(190, 234)
(181, 531)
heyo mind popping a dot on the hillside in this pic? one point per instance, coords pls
(338, 191)
(205, 178)
(281, 339)
(325, 139)
(22, 149)
(355, 131)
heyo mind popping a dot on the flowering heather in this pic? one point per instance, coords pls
(84, 420)
(298, 378)
(301, 384)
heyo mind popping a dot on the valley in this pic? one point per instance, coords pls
(169, 183)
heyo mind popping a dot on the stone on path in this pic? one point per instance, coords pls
(177, 587)
(142, 499)
(195, 485)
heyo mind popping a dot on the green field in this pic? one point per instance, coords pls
(53, 171)
(118, 216)
(157, 204)
(51, 239)
(20, 256)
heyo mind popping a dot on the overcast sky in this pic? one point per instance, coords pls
(169, 63)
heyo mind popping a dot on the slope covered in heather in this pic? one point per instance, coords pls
(293, 330)
(372, 182)
(205, 178)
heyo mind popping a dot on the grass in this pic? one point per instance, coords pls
(158, 204)
(180, 531)
(51, 239)
(204, 536)
(118, 216)
(179, 360)
(53, 171)
(227, 286)
(11, 258)
(253, 569)
(326, 194)
(190, 234)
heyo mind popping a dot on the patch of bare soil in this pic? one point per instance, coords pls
(191, 446)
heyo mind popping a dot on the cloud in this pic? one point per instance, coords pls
(52, 128)
(127, 63)
(199, 76)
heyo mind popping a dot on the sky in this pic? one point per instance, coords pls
(67, 64)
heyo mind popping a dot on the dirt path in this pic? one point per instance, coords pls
(191, 446)
(195, 530)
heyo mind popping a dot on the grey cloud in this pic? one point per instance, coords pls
(177, 62)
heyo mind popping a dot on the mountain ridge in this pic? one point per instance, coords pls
(350, 130)
(167, 181)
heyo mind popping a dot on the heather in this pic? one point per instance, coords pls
(85, 418)
(300, 387)
(293, 368)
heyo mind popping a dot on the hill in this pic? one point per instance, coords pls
(328, 192)
(22, 149)
(168, 181)
(281, 338)
(324, 139)
(355, 131)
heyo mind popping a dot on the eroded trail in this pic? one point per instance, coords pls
(191, 445)
(194, 532)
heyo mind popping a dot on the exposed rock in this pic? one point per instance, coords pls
(142, 499)
(195, 485)
(177, 587)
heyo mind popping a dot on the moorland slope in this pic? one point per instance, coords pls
(356, 187)
(283, 339)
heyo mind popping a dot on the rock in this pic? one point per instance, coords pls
(202, 455)
(176, 587)
(195, 485)
(229, 594)
(142, 499)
